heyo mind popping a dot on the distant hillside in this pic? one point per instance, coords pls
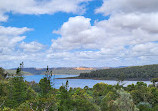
(146, 72)
(13, 72)
(40, 71)
(84, 68)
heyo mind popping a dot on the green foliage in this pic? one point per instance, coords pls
(19, 70)
(144, 106)
(65, 100)
(3, 92)
(3, 74)
(30, 94)
(3, 88)
(107, 101)
(17, 92)
(129, 73)
(130, 87)
(35, 86)
(155, 108)
(153, 99)
(19, 95)
(45, 83)
(154, 80)
(7, 109)
(124, 102)
(100, 90)
(45, 86)
(140, 93)
(48, 103)
(24, 107)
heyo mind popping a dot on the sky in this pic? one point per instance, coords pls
(74, 33)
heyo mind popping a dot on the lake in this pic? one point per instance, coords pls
(76, 82)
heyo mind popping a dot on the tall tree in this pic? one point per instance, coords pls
(17, 89)
(45, 83)
(65, 103)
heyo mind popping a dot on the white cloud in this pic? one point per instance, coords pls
(130, 34)
(40, 7)
(77, 33)
(3, 18)
(128, 37)
(13, 31)
(10, 37)
(13, 49)
(147, 49)
(128, 6)
(12, 41)
(31, 47)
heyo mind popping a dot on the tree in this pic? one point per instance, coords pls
(100, 90)
(144, 106)
(17, 89)
(19, 70)
(153, 99)
(45, 86)
(82, 101)
(106, 103)
(40, 104)
(17, 92)
(141, 93)
(65, 101)
(3, 92)
(48, 74)
(154, 80)
(3, 74)
(45, 83)
(124, 102)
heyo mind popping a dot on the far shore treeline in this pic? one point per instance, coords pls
(138, 73)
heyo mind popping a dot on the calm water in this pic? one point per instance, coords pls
(76, 82)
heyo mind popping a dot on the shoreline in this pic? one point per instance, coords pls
(103, 79)
(52, 74)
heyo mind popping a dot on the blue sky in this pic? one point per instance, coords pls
(44, 24)
(73, 33)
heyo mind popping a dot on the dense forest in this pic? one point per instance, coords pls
(146, 72)
(19, 95)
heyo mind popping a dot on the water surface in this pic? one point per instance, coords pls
(56, 83)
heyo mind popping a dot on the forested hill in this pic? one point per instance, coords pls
(128, 73)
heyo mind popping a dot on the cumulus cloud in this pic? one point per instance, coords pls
(74, 34)
(13, 47)
(106, 36)
(77, 33)
(130, 34)
(40, 7)
(31, 47)
(128, 37)
(10, 37)
(147, 49)
(128, 6)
